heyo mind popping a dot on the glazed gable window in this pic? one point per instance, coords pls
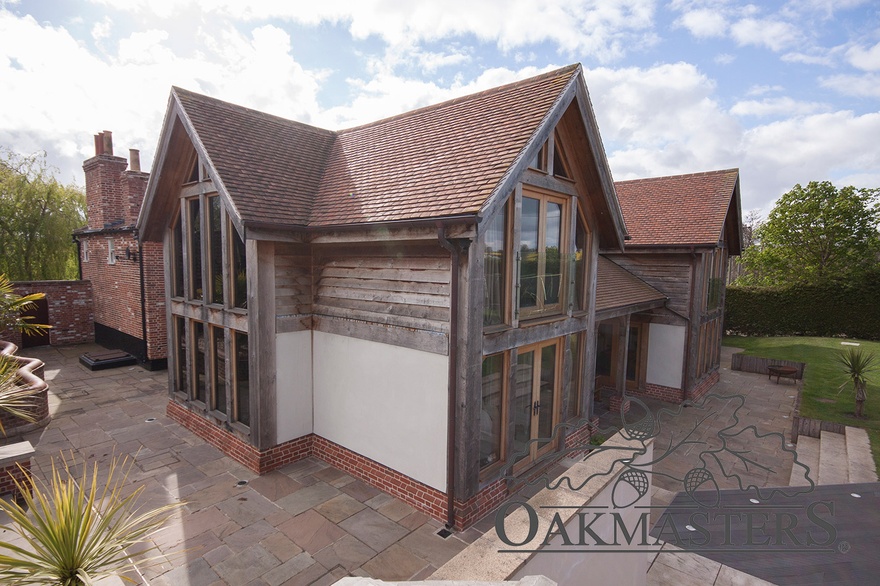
(542, 254)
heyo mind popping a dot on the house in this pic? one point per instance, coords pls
(127, 276)
(682, 231)
(413, 301)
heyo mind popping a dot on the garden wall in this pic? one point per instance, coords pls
(850, 309)
(71, 311)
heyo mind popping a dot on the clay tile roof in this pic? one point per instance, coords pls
(438, 161)
(442, 160)
(677, 210)
(617, 287)
(271, 167)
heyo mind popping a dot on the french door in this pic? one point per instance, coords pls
(535, 402)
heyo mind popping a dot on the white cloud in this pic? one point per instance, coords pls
(604, 30)
(863, 86)
(864, 59)
(776, 35)
(724, 58)
(795, 57)
(775, 106)
(101, 29)
(704, 22)
(760, 90)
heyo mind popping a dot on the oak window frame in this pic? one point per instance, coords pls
(541, 308)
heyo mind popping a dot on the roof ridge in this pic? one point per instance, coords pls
(250, 111)
(453, 101)
(682, 175)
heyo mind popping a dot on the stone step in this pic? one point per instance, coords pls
(859, 457)
(833, 466)
(808, 454)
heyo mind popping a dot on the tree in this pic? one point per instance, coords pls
(815, 234)
(857, 365)
(37, 218)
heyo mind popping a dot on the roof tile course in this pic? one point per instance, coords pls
(442, 160)
(617, 287)
(677, 210)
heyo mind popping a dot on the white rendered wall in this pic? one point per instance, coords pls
(293, 385)
(385, 402)
(665, 355)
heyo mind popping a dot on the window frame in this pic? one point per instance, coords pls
(541, 308)
(111, 251)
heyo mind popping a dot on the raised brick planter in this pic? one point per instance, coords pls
(30, 373)
(15, 465)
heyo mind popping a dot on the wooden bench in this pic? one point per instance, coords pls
(782, 371)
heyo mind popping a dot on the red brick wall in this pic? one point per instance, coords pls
(668, 394)
(70, 311)
(107, 198)
(9, 474)
(420, 496)
(704, 385)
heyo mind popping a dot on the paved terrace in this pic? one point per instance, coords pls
(306, 523)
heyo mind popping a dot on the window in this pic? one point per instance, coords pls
(540, 160)
(199, 350)
(604, 349)
(239, 269)
(196, 290)
(560, 165)
(218, 380)
(181, 382)
(215, 249)
(495, 264)
(492, 410)
(111, 252)
(581, 258)
(572, 398)
(177, 258)
(541, 254)
(84, 246)
(241, 408)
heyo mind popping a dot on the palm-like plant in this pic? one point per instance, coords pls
(74, 531)
(857, 364)
(11, 306)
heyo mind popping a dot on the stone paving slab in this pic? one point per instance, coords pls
(284, 528)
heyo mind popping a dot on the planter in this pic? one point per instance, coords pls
(30, 372)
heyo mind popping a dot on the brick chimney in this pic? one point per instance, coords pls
(113, 195)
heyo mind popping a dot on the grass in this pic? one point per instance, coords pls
(824, 375)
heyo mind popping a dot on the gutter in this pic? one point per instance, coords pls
(467, 219)
(454, 253)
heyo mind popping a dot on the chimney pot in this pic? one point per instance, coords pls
(108, 142)
(99, 144)
(134, 159)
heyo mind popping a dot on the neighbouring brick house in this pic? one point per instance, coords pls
(127, 277)
(414, 300)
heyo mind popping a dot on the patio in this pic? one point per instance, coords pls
(306, 523)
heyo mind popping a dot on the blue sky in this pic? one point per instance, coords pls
(789, 92)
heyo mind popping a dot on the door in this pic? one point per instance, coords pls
(535, 402)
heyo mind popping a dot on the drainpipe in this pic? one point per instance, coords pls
(79, 264)
(454, 252)
(143, 295)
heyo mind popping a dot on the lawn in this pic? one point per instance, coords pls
(820, 398)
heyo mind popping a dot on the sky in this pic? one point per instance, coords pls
(788, 92)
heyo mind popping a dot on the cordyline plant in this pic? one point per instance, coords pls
(11, 307)
(15, 398)
(74, 532)
(857, 364)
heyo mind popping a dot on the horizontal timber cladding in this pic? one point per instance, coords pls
(397, 295)
(669, 273)
(293, 279)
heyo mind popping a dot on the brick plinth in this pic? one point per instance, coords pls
(9, 474)
(616, 402)
(704, 385)
(667, 394)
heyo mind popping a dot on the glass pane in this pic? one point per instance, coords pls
(522, 405)
(490, 416)
(528, 251)
(180, 378)
(632, 353)
(195, 250)
(219, 348)
(494, 261)
(552, 252)
(242, 381)
(199, 348)
(216, 251)
(603, 350)
(580, 265)
(177, 245)
(239, 270)
(572, 398)
(546, 394)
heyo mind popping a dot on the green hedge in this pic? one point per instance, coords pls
(850, 309)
